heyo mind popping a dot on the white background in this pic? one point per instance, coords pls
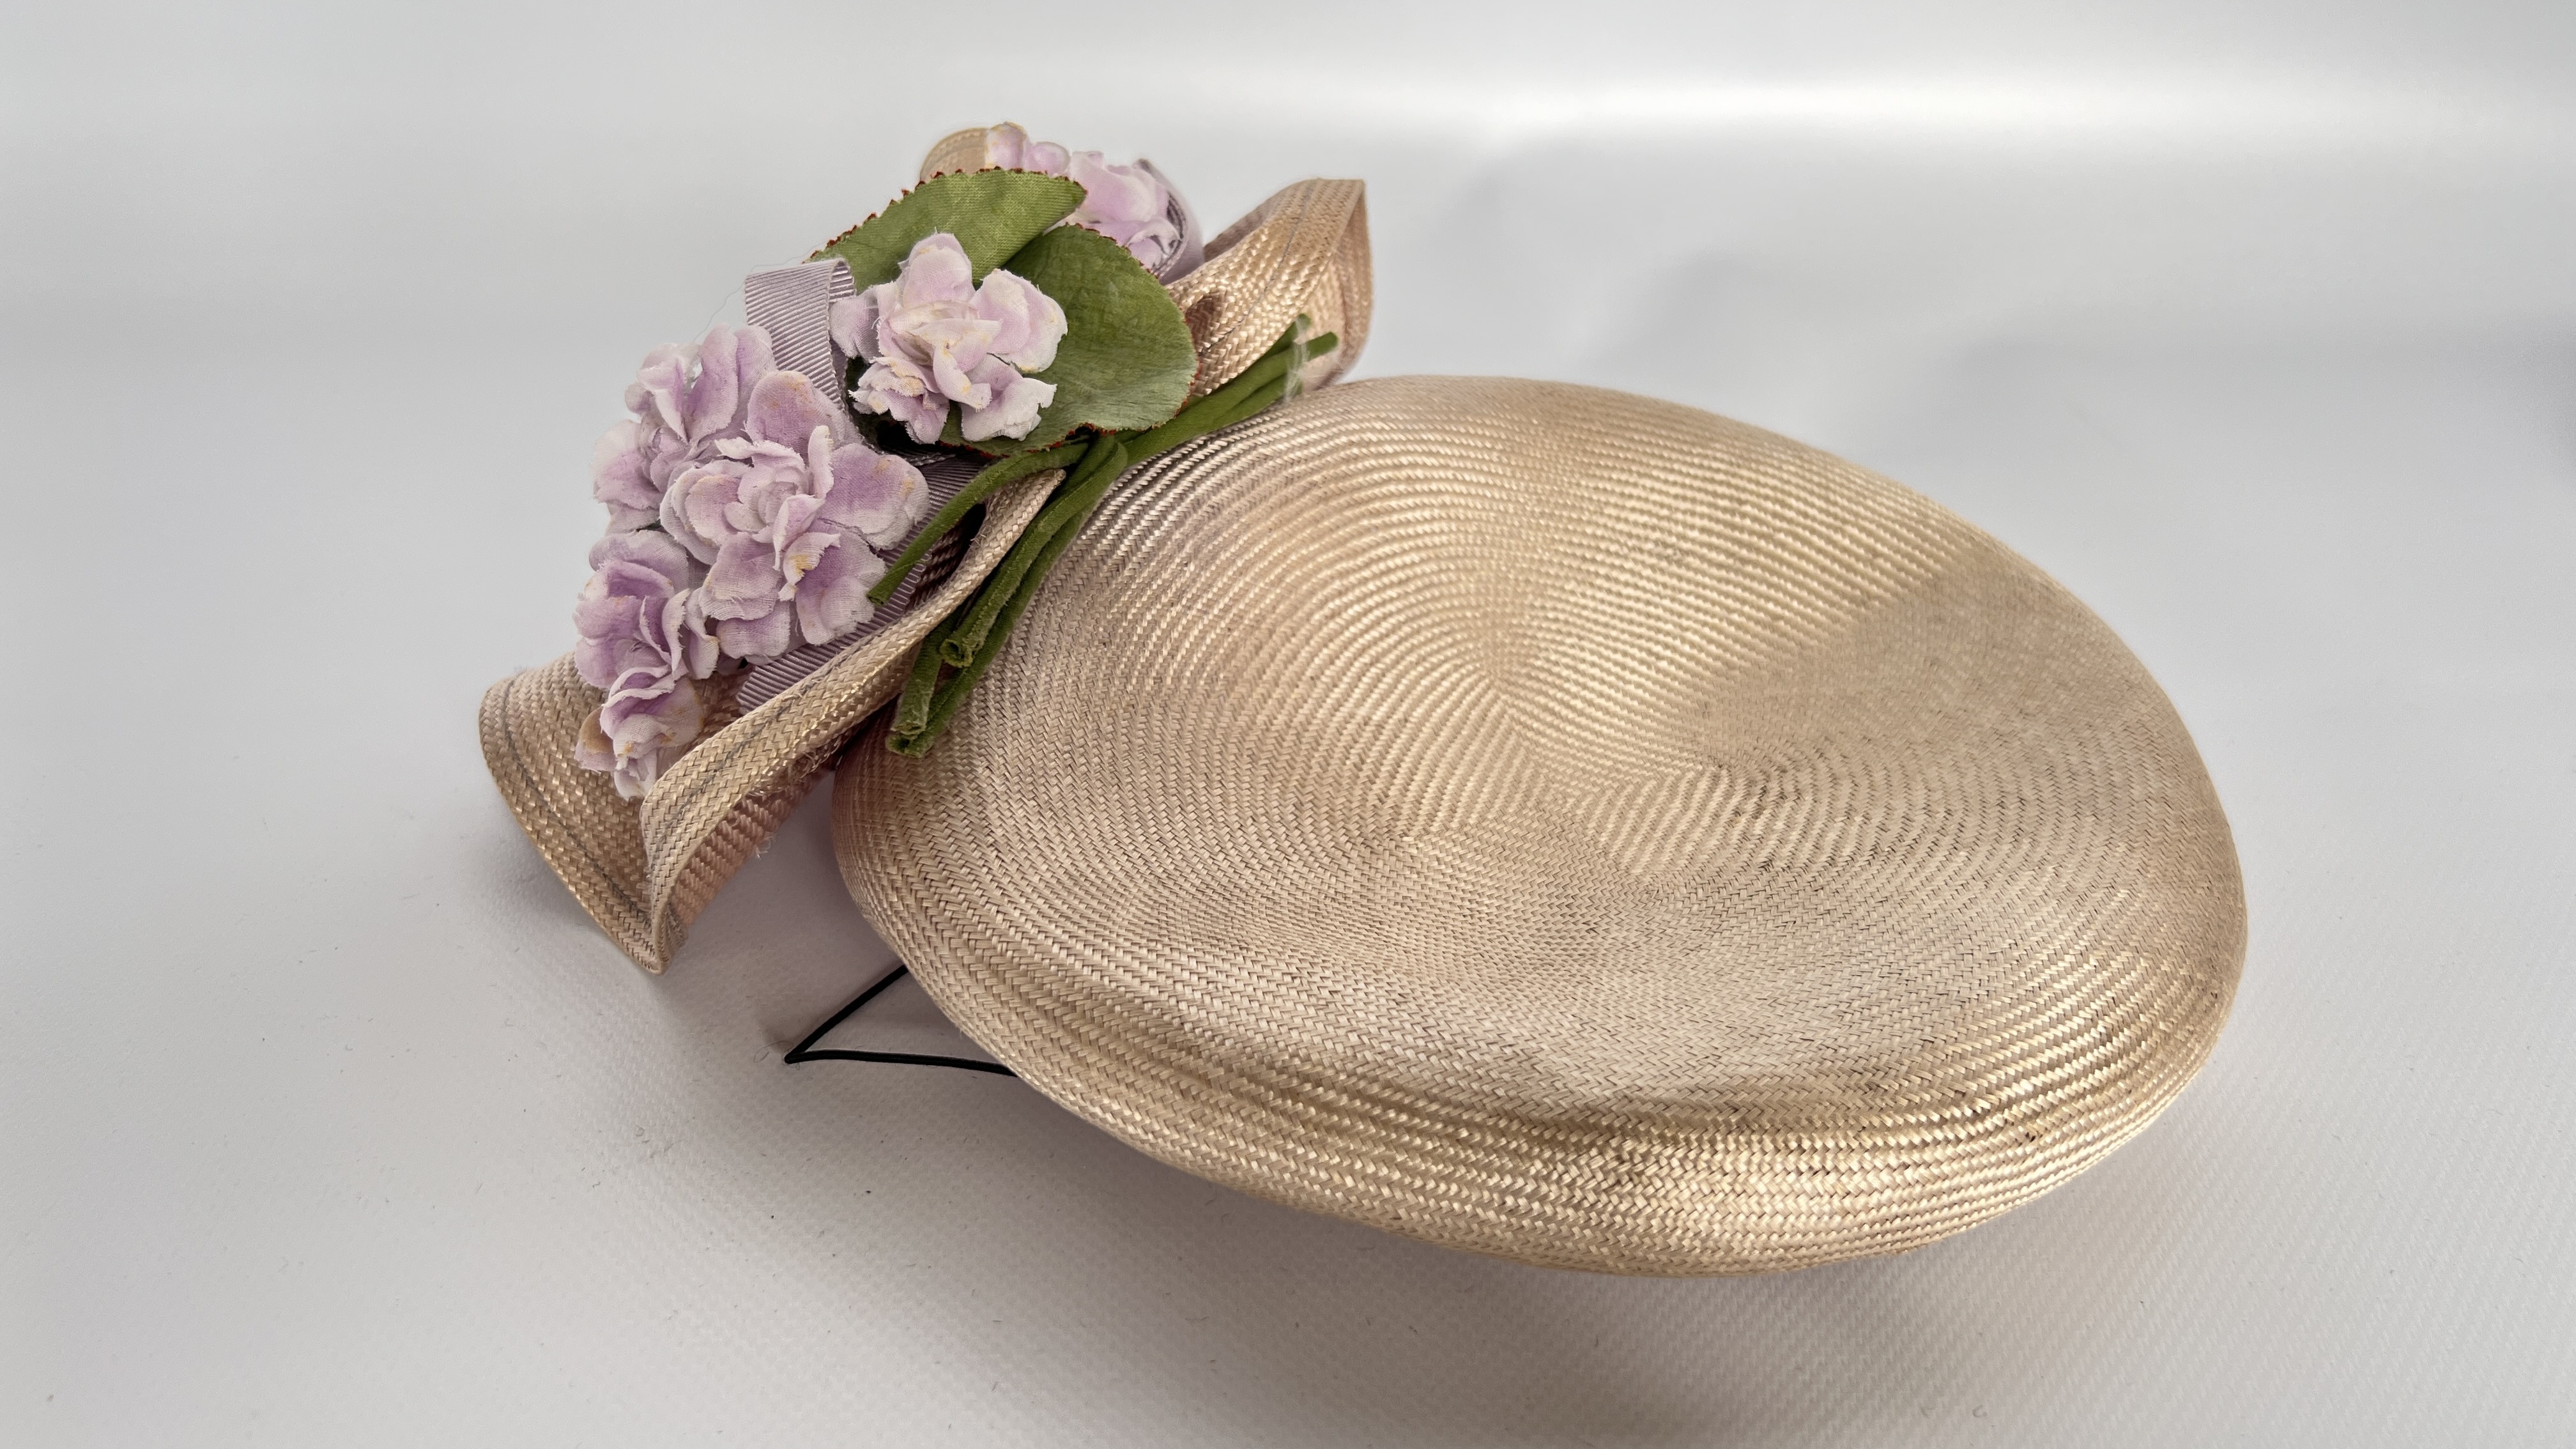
(327, 1118)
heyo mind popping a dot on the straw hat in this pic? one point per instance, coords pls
(1537, 820)
(1570, 827)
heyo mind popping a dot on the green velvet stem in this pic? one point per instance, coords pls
(912, 710)
(1270, 394)
(1105, 460)
(954, 693)
(1227, 404)
(1202, 417)
(979, 487)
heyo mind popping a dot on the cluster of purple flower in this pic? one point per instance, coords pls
(745, 516)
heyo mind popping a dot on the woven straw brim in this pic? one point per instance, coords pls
(1569, 827)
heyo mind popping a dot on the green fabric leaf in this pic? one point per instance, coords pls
(1126, 360)
(991, 213)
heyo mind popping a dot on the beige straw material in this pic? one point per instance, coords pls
(1304, 252)
(590, 836)
(645, 873)
(956, 151)
(1570, 827)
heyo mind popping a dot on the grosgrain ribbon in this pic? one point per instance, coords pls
(794, 306)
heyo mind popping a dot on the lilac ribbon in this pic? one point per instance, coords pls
(794, 306)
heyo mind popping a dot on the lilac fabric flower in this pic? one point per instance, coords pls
(770, 512)
(931, 337)
(686, 400)
(787, 519)
(644, 639)
(1008, 146)
(624, 614)
(648, 719)
(1131, 204)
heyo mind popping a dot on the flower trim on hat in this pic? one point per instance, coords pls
(932, 337)
(1018, 312)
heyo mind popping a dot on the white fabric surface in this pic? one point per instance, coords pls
(326, 1118)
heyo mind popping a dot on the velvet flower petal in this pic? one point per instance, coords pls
(621, 474)
(875, 495)
(653, 710)
(854, 325)
(693, 508)
(788, 532)
(903, 392)
(1012, 407)
(1007, 145)
(645, 723)
(832, 592)
(687, 400)
(1027, 322)
(785, 409)
(932, 338)
(1128, 204)
(619, 615)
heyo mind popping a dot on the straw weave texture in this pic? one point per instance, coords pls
(587, 833)
(1304, 252)
(1570, 827)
